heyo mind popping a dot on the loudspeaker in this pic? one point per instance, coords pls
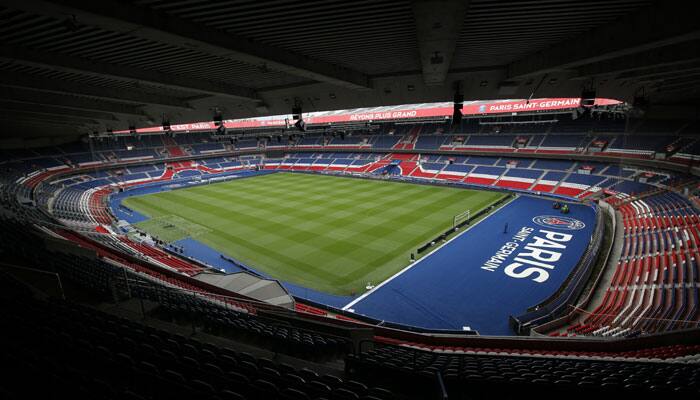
(458, 99)
(296, 113)
(457, 114)
(588, 97)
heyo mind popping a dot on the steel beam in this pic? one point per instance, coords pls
(143, 22)
(438, 24)
(62, 62)
(71, 102)
(26, 81)
(662, 24)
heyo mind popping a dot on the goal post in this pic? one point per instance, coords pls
(459, 218)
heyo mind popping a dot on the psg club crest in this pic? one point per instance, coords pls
(556, 222)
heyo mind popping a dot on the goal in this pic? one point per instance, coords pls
(458, 219)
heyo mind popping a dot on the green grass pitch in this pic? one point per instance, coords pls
(328, 233)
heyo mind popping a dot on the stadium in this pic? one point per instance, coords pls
(349, 200)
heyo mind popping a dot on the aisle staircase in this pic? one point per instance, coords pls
(409, 141)
(172, 147)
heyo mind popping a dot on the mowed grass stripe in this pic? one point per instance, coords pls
(304, 212)
(411, 242)
(239, 245)
(273, 184)
(300, 235)
(349, 205)
(167, 206)
(329, 196)
(291, 201)
(347, 220)
(305, 216)
(328, 233)
(206, 215)
(408, 241)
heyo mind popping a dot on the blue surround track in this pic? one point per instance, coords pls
(451, 288)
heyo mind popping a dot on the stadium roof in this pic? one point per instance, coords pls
(412, 112)
(71, 67)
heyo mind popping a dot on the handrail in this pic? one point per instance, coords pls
(40, 272)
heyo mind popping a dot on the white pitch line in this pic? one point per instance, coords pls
(409, 266)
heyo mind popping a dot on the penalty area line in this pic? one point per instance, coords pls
(348, 306)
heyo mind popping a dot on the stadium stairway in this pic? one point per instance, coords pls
(172, 147)
(558, 184)
(409, 141)
(537, 181)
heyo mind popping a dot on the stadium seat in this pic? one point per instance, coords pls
(71, 193)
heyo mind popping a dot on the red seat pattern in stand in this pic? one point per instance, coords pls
(175, 151)
(542, 188)
(568, 191)
(35, 179)
(409, 141)
(407, 167)
(418, 173)
(661, 352)
(161, 256)
(172, 147)
(373, 167)
(104, 252)
(655, 285)
(315, 167)
(175, 167)
(98, 208)
(450, 177)
(513, 184)
(479, 181)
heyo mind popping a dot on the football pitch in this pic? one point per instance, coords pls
(328, 233)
